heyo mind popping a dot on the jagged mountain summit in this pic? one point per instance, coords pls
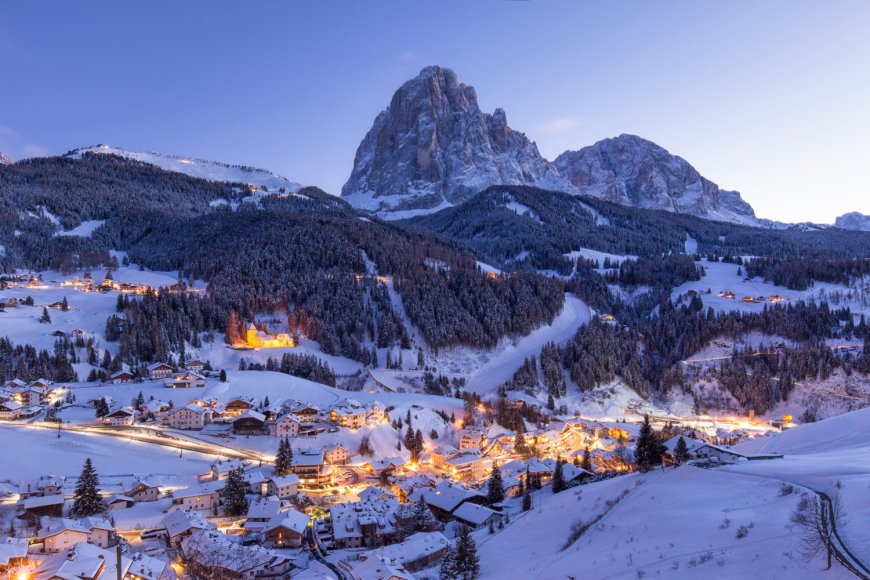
(5, 159)
(209, 170)
(433, 147)
(853, 221)
(632, 171)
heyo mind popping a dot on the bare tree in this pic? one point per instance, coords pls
(818, 520)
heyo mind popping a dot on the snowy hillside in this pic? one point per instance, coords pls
(210, 170)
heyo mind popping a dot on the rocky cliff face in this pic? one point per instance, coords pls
(636, 172)
(433, 147)
(5, 159)
(853, 221)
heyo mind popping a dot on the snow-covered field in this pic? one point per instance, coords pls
(722, 278)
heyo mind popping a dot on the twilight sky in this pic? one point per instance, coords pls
(769, 98)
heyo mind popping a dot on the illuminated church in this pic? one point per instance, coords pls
(259, 339)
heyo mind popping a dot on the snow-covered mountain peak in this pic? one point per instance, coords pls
(5, 159)
(204, 169)
(433, 147)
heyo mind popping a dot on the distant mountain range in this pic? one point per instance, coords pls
(853, 221)
(433, 148)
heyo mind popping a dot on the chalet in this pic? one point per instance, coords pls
(221, 468)
(159, 370)
(144, 490)
(717, 453)
(181, 523)
(364, 524)
(28, 396)
(58, 534)
(122, 417)
(260, 512)
(237, 406)
(418, 552)
(349, 416)
(120, 502)
(37, 506)
(468, 466)
(213, 551)
(189, 417)
(336, 454)
(692, 445)
(10, 410)
(446, 497)
(377, 412)
(14, 384)
(45, 485)
(471, 438)
(204, 496)
(376, 493)
(8, 303)
(386, 465)
(250, 423)
(154, 409)
(80, 561)
(286, 530)
(309, 465)
(305, 412)
(195, 366)
(476, 516)
(287, 426)
(285, 487)
(121, 377)
(185, 380)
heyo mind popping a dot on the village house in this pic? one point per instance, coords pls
(119, 502)
(220, 469)
(418, 552)
(287, 426)
(305, 412)
(185, 380)
(159, 370)
(250, 423)
(259, 339)
(349, 416)
(260, 511)
(363, 524)
(37, 506)
(376, 493)
(286, 530)
(121, 377)
(205, 496)
(189, 417)
(181, 523)
(43, 486)
(468, 466)
(214, 552)
(309, 465)
(122, 417)
(58, 534)
(446, 497)
(471, 438)
(10, 410)
(144, 490)
(439, 456)
(13, 554)
(83, 561)
(154, 409)
(195, 366)
(237, 406)
(336, 454)
(284, 487)
(476, 516)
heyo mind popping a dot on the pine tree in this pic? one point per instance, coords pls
(87, 500)
(102, 407)
(466, 561)
(587, 459)
(284, 458)
(233, 493)
(520, 444)
(648, 448)
(45, 318)
(681, 452)
(418, 446)
(527, 500)
(495, 486)
(223, 376)
(559, 476)
(422, 517)
(64, 305)
(448, 565)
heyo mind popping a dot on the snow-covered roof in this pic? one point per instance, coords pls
(347, 517)
(251, 414)
(289, 479)
(308, 459)
(180, 521)
(83, 560)
(42, 501)
(446, 495)
(158, 365)
(54, 526)
(12, 548)
(415, 547)
(372, 493)
(212, 548)
(264, 508)
(473, 513)
(291, 519)
(201, 489)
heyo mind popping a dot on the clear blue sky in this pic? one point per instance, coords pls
(770, 98)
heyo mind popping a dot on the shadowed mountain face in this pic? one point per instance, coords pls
(853, 221)
(633, 171)
(433, 147)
